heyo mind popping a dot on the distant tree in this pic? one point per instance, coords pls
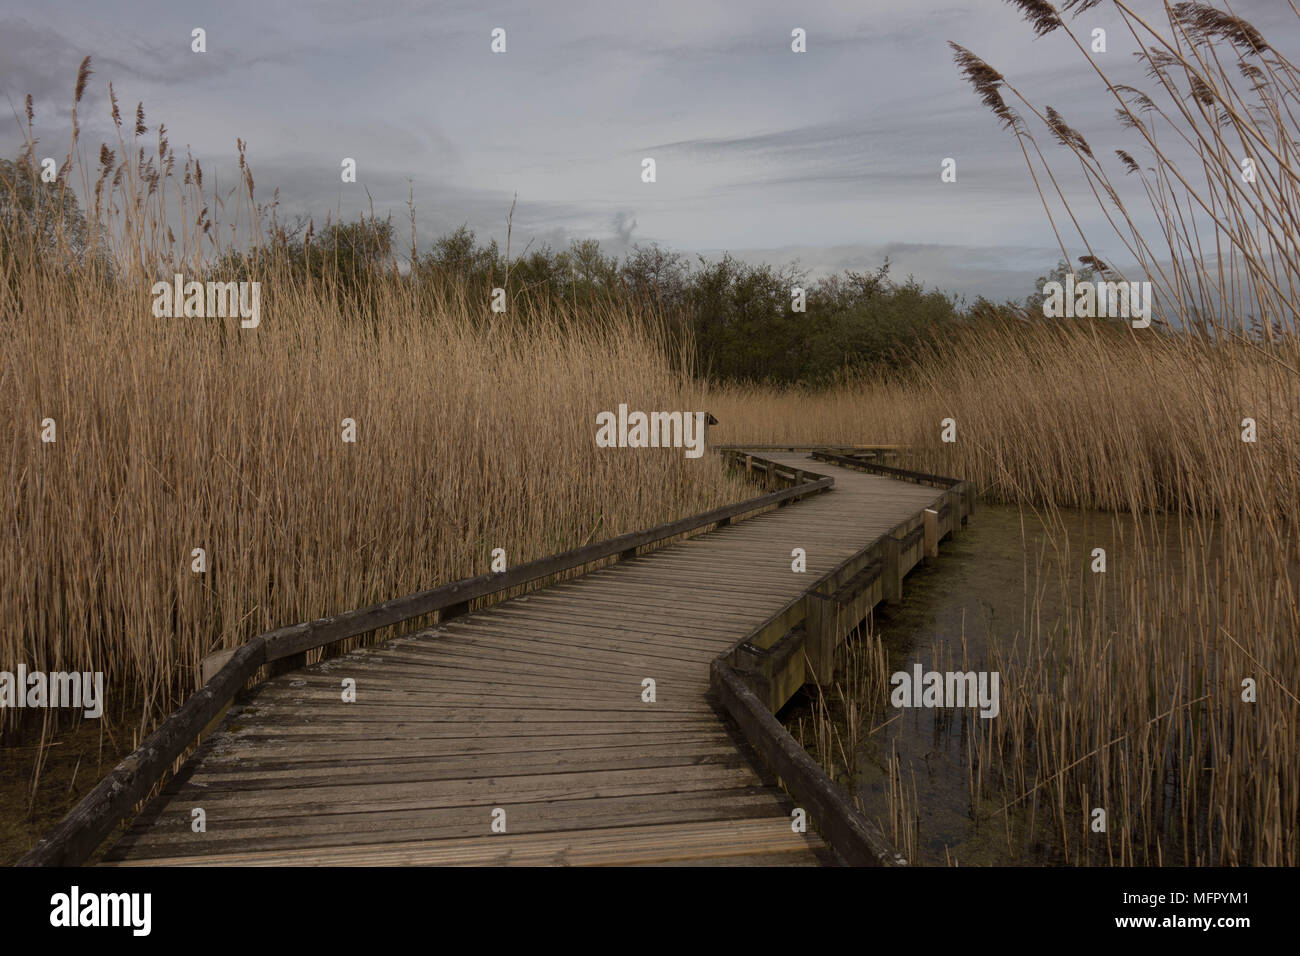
(742, 319)
(589, 270)
(846, 290)
(45, 215)
(986, 310)
(655, 277)
(458, 256)
(882, 326)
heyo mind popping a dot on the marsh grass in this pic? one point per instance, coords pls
(474, 431)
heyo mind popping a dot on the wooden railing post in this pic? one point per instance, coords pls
(892, 575)
(931, 518)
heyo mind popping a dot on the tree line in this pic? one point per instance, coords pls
(744, 321)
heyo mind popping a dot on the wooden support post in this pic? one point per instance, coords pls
(821, 635)
(749, 464)
(891, 585)
(453, 610)
(931, 533)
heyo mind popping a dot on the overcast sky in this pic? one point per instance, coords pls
(830, 156)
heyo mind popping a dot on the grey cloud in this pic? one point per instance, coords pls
(833, 154)
(37, 60)
(624, 224)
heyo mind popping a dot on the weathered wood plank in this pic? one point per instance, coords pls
(165, 837)
(752, 842)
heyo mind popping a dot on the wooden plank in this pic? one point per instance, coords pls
(389, 700)
(407, 730)
(451, 690)
(550, 642)
(489, 661)
(225, 807)
(247, 774)
(610, 659)
(561, 616)
(162, 837)
(577, 635)
(747, 842)
(303, 751)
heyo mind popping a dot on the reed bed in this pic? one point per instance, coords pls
(1129, 700)
(1166, 696)
(474, 431)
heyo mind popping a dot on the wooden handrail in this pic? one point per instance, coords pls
(90, 822)
(94, 817)
(919, 476)
(850, 834)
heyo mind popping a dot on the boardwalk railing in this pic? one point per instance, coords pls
(857, 840)
(957, 488)
(796, 646)
(94, 818)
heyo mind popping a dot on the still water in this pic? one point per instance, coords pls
(1006, 575)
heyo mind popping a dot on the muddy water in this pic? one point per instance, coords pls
(1006, 575)
(42, 779)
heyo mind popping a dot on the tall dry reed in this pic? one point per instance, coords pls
(1170, 698)
(474, 431)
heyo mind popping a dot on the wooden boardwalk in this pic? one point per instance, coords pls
(534, 707)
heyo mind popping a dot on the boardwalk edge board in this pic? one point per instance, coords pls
(855, 839)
